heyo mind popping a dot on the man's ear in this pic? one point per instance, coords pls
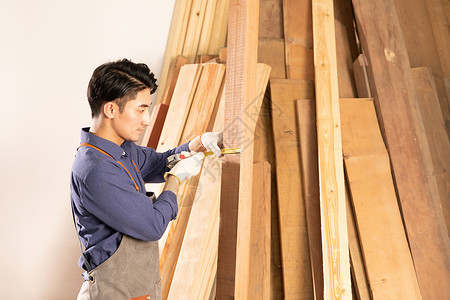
(110, 109)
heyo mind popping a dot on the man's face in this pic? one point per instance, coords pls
(131, 122)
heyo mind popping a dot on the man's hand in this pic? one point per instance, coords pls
(208, 141)
(187, 167)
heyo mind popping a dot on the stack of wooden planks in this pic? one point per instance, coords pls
(342, 189)
(389, 202)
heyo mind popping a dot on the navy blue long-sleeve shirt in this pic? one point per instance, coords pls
(105, 199)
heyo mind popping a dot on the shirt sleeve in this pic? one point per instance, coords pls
(152, 164)
(116, 203)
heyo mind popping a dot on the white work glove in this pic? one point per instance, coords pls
(212, 141)
(187, 167)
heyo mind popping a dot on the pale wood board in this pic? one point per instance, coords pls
(271, 19)
(176, 37)
(175, 121)
(179, 109)
(218, 38)
(199, 247)
(207, 28)
(173, 72)
(336, 265)
(271, 52)
(240, 92)
(194, 29)
(404, 134)
(200, 114)
(296, 267)
(421, 45)
(361, 77)
(384, 245)
(259, 283)
(297, 18)
(204, 101)
(306, 120)
(223, 55)
(436, 134)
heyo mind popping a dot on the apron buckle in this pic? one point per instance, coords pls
(88, 277)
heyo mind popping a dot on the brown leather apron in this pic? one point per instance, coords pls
(132, 271)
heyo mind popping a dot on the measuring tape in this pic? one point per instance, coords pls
(225, 151)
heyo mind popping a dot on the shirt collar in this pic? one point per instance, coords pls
(109, 147)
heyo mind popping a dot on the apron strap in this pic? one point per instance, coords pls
(86, 275)
(106, 153)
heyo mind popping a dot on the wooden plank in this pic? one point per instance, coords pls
(440, 24)
(361, 77)
(264, 151)
(331, 176)
(306, 120)
(259, 283)
(218, 40)
(179, 109)
(194, 30)
(296, 265)
(436, 134)
(388, 261)
(271, 19)
(237, 170)
(223, 55)
(199, 248)
(395, 99)
(207, 28)
(203, 59)
(175, 41)
(174, 71)
(199, 118)
(343, 13)
(359, 276)
(298, 38)
(346, 82)
(153, 131)
(421, 44)
(271, 52)
(209, 86)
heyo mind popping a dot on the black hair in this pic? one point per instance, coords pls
(118, 81)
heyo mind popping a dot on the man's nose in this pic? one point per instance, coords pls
(146, 120)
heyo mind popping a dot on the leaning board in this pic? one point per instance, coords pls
(296, 265)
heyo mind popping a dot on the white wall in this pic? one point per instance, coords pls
(48, 50)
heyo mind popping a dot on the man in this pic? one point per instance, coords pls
(117, 223)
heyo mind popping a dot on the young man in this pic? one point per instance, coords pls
(117, 223)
